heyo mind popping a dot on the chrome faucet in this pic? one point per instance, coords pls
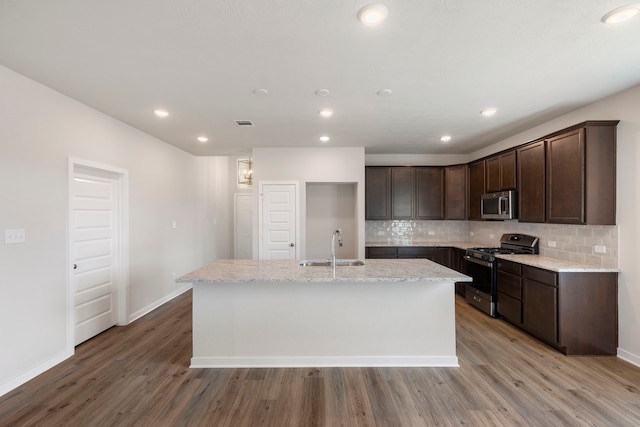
(333, 246)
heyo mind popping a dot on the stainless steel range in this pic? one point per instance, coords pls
(482, 266)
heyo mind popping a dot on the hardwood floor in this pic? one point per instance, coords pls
(139, 375)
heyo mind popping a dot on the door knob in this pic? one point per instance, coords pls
(75, 266)
(292, 244)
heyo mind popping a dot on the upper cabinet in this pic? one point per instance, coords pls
(531, 176)
(501, 172)
(476, 188)
(581, 174)
(455, 192)
(404, 193)
(429, 193)
(377, 193)
(567, 177)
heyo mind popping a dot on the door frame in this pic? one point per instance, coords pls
(261, 185)
(121, 257)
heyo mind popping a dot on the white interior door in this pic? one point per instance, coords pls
(278, 232)
(243, 230)
(93, 234)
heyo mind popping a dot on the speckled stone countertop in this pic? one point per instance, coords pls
(423, 243)
(374, 270)
(547, 263)
(556, 264)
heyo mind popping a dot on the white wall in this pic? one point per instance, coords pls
(39, 130)
(624, 106)
(325, 164)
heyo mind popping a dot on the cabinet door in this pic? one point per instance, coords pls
(476, 188)
(416, 252)
(565, 178)
(378, 193)
(493, 174)
(402, 192)
(443, 257)
(455, 192)
(531, 178)
(429, 193)
(508, 163)
(540, 310)
(375, 252)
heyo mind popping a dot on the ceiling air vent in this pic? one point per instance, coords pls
(244, 123)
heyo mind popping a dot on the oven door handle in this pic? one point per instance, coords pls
(478, 261)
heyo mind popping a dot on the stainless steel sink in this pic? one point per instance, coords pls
(327, 263)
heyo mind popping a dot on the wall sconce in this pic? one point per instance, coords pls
(245, 172)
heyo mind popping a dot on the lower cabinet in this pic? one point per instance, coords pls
(571, 311)
(452, 258)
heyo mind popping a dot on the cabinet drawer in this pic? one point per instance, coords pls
(510, 284)
(510, 267)
(382, 252)
(416, 252)
(539, 275)
(510, 308)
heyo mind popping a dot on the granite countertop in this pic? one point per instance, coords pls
(540, 261)
(374, 270)
(556, 264)
(423, 243)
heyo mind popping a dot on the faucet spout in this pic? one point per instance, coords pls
(333, 245)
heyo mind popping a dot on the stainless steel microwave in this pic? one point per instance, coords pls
(499, 205)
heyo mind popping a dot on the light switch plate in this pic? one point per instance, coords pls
(601, 249)
(17, 235)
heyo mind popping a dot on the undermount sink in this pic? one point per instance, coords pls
(327, 263)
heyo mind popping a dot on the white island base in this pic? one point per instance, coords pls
(327, 323)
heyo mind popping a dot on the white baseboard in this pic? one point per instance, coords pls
(34, 372)
(634, 359)
(148, 309)
(324, 362)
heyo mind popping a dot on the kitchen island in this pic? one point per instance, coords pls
(276, 313)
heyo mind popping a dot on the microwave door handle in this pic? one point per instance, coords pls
(502, 201)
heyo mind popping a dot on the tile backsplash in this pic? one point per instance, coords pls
(571, 242)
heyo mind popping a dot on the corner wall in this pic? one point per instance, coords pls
(39, 130)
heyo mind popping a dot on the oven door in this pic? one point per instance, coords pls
(482, 291)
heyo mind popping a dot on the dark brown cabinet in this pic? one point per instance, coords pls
(381, 252)
(378, 193)
(426, 252)
(510, 291)
(429, 193)
(540, 304)
(531, 179)
(476, 188)
(581, 169)
(443, 256)
(455, 192)
(501, 172)
(402, 193)
(575, 312)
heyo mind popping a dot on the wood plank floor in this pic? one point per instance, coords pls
(139, 375)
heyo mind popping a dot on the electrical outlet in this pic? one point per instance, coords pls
(14, 236)
(432, 233)
(491, 236)
(471, 233)
(601, 249)
(174, 224)
(551, 243)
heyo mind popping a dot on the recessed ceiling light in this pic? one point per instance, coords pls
(373, 14)
(261, 92)
(161, 113)
(445, 138)
(621, 14)
(488, 112)
(322, 92)
(384, 92)
(326, 112)
(203, 139)
(324, 138)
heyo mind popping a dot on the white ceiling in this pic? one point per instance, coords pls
(444, 60)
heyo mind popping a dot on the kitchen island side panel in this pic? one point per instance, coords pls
(293, 324)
